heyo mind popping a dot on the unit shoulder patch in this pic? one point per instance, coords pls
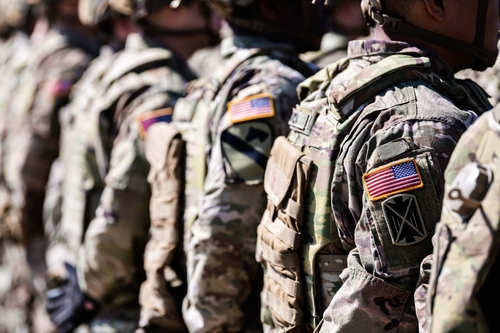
(404, 220)
(145, 120)
(394, 178)
(250, 108)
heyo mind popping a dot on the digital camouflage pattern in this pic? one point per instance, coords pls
(465, 272)
(227, 151)
(65, 215)
(489, 80)
(16, 288)
(53, 70)
(144, 78)
(350, 124)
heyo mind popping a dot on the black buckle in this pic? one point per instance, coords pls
(390, 23)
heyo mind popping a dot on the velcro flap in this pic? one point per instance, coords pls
(281, 168)
(288, 314)
(290, 286)
(281, 231)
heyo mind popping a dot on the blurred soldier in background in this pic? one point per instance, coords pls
(229, 121)
(20, 309)
(69, 186)
(141, 88)
(355, 191)
(466, 268)
(53, 67)
(347, 23)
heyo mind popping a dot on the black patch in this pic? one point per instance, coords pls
(255, 133)
(393, 149)
(244, 148)
(404, 220)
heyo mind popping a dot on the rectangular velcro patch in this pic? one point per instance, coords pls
(250, 108)
(145, 120)
(397, 177)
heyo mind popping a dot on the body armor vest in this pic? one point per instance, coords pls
(299, 238)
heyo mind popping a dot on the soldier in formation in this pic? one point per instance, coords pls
(355, 190)
(229, 122)
(140, 88)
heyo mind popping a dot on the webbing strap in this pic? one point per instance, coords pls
(281, 231)
(476, 49)
(165, 186)
(289, 260)
(290, 315)
(290, 286)
(294, 209)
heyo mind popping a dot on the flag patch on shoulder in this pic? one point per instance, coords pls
(144, 121)
(398, 177)
(250, 108)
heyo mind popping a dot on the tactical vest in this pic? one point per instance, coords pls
(466, 267)
(206, 103)
(298, 238)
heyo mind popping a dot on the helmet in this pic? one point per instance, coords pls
(374, 13)
(92, 12)
(303, 36)
(14, 13)
(125, 7)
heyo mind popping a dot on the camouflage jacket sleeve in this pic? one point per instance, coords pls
(111, 259)
(387, 203)
(233, 199)
(464, 277)
(55, 76)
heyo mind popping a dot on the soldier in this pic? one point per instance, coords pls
(141, 88)
(66, 200)
(464, 279)
(355, 191)
(229, 121)
(16, 289)
(53, 68)
(347, 23)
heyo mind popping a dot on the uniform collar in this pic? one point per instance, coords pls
(383, 48)
(233, 43)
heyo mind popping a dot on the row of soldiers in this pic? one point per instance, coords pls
(267, 195)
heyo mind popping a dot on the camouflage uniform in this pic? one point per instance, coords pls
(67, 180)
(464, 279)
(351, 130)
(15, 287)
(489, 80)
(226, 155)
(144, 77)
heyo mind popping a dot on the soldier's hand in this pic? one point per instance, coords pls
(68, 306)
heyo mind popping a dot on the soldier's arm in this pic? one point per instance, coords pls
(222, 246)
(111, 256)
(59, 73)
(398, 180)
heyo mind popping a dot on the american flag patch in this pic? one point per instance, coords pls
(144, 121)
(250, 108)
(391, 179)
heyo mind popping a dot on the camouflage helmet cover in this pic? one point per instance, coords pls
(91, 12)
(125, 7)
(14, 12)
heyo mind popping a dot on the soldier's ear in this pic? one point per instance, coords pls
(436, 9)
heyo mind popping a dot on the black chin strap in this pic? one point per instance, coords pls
(476, 49)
